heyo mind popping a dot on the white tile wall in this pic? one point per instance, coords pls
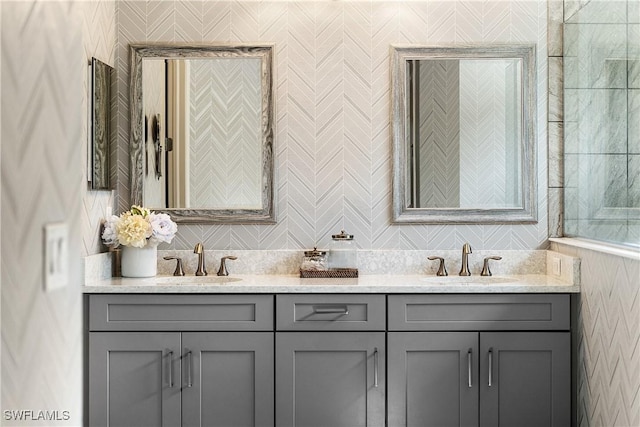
(332, 145)
(608, 338)
(308, 50)
(98, 20)
(42, 118)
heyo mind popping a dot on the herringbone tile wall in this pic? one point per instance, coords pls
(332, 142)
(483, 135)
(99, 40)
(225, 100)
(608, 339)
(439, 141)
(43, 69)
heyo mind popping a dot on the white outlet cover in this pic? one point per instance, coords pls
(56, 255)
(557, 266)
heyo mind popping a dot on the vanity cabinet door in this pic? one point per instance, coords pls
(332, 379)
(134, 379)
(433, 379)
(525, 379)
(227, 379)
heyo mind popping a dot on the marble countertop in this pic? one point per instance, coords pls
(281, 284)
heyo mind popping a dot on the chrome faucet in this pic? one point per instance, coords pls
(464, 268)
(199, 249)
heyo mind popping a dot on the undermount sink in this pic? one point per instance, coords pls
(195, 280)
(469, 280)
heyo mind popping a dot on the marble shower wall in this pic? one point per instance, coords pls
(601, 121)
(332, 142)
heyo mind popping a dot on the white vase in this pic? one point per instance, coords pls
(139, 262)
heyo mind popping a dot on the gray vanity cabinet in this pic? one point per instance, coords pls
(134, 379)
(525, 379)
(227, 379)
(433, 379)
(177, 376)
(479, 360)
(332, 374)
(320, 360)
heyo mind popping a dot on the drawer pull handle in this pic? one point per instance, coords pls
(170, 357)
(490, 367)
(375, 367)
(334, 309)
(469, 356)
(189, 367)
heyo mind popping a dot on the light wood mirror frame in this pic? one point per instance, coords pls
(265, 215)
(401, 212)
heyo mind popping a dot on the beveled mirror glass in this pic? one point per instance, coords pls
(463, 130)
(202, 132)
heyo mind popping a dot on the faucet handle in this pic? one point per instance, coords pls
(442, 270)
(179, 271)
(485, 266)
(222, 271)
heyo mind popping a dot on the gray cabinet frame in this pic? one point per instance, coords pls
(530, 377)
(227, 379)
(167, 343)
(134, 379)
(537, 355)
(344, 387)
(433, 379)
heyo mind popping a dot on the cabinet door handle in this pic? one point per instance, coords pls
(331, 309)
(490, 367)
(189, 357)
(170, 357)
(469, 367)
(375, 367)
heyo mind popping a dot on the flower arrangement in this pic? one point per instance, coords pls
(138, 227)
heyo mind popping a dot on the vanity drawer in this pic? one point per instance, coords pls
(181, 312)
(479, 312)
(330, 312)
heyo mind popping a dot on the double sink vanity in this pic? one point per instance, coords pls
(279, 350)
(404, 349)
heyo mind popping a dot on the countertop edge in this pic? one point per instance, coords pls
(370, 284)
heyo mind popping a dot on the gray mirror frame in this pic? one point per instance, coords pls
(403, 214)
(266, 215)
(100, 125)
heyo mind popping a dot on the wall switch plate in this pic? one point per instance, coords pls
(557, 266)
(56, 255)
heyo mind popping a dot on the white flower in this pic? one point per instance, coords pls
(109, 235)
(163, 229)
(138, 227)
(133, 230)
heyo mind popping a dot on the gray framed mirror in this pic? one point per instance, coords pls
(100, 125)
(202, 131)
(464, 134)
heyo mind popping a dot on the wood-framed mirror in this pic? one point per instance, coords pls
(464, 134)
(202, 126)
